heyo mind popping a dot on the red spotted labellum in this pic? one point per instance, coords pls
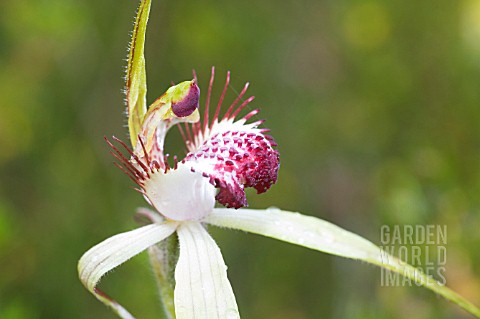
(225, 153)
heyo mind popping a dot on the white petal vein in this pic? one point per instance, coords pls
(202, 288)
(114, 251)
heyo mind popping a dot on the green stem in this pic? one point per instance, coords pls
(163, 258)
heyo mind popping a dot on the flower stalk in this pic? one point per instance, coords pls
(163, 258)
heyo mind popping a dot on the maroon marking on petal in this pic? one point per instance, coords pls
(165, 161)
(104, 295)
(232, 167)
(188, 103)
(139, 174)
(156, 165)
(240, 108)
(196, 128)
(207, 103)
(126, 167)
(127, 173)
(145, 153)
(189, 131)
(232, 196)
(239, 97)
(194, 73)
(250, 114)
(220, 101)
(182, 133)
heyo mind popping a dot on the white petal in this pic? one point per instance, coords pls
(180, 194)
(114, 251)
(321, 235)
(202, 288)
(297, 229)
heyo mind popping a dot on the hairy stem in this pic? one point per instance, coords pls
(163, 258)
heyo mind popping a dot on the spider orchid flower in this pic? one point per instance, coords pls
(225, 155)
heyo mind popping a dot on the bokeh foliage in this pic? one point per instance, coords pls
(374, 105)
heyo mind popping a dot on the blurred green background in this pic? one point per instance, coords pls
(374, 105)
